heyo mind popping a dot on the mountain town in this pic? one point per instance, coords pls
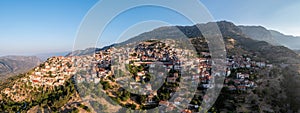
(146, 74)
(100, 68)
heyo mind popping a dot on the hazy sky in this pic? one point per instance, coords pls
(42, 26)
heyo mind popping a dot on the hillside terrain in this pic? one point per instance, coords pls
(12, 65)
(271, 36)
(260, 77)
(259, 33)
(286, 40)
(238, 43)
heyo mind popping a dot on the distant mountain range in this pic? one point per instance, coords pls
(273, 37)
(292, 42)
(12, 65)
(259, 33)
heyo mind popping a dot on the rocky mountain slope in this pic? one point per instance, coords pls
(271, 36)
(259, 33)
(273, 93)
(10, 65)
(286, 40)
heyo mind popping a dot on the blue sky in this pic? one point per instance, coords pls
(41, 26)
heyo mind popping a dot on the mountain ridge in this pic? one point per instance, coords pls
(259, 33)
(271, 36)
(12, 65)
(228, 30)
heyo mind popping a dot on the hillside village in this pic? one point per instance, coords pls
(141, 58)
(104, 68)
(54, 72)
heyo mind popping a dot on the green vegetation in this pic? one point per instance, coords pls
(9, 82)
(54, 99)
(99, 107)
(84, 107)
